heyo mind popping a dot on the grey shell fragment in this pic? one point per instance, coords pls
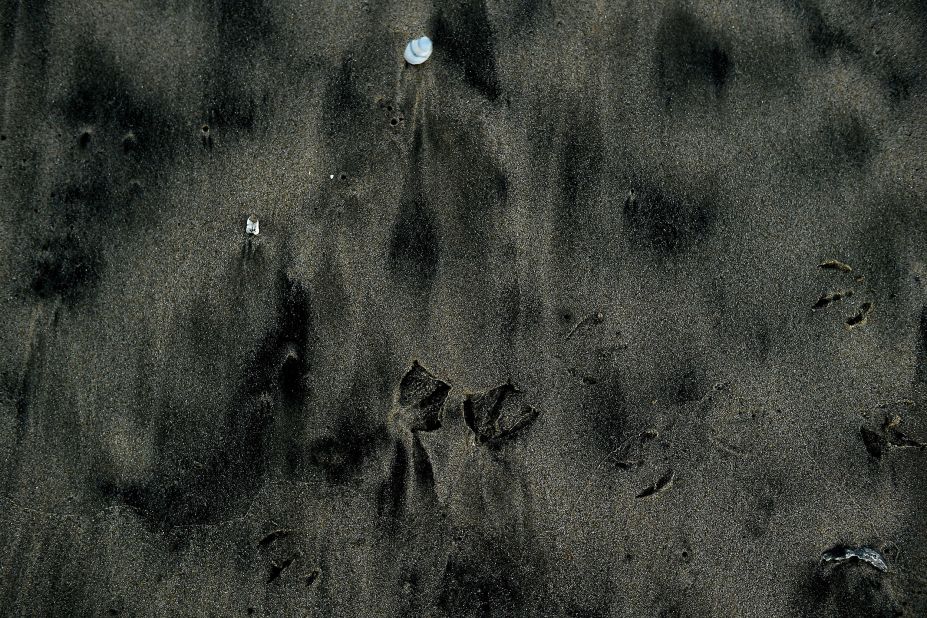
(421, 396)
(842, 553)
(498, 414)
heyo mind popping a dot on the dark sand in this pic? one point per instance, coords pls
(189, 426)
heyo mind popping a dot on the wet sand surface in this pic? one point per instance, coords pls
(607, 309)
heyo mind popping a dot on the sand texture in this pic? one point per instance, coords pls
(606, 309)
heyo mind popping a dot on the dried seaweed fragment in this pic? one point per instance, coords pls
(272, 536)
(831, 297)
(276, 570)
(836, 265)
(593, 318)
(878, 440)
(421, 396)
(842, 553)
(498, 414)
(896, 437)
(664, 483)
(862, 316)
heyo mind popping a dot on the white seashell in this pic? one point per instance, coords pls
(252, 227)
(418, 50)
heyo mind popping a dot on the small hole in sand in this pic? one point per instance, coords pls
(84, 140)
(343, 176)
(394, 122)
(2, 138)
(389, 108)
(205, 128)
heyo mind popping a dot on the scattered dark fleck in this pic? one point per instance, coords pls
(665, 482)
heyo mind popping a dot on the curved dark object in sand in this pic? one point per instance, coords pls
(842, 553)
(498, 414)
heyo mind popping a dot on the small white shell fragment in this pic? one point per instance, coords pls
(418, 50)
(252, 226)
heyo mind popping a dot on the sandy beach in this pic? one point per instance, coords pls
(604, 309)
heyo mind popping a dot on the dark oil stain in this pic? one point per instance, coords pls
(343, 103)
(667, 222)
(391, 497)
(579, 168)
(66, 265)
(463, 32)
(836, 265)
(360, 432)
(604, 413)
(272, 536)
(848, 140)
(484, 581)
(342, 456)
(233, 97)
(824, 37)
(687, 386)
(831, 297)
(899, 84)
(690, 59)
(422, 470)
(192, 488)
(103, 95)
(414, 250)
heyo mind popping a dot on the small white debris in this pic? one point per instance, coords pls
(331, 177)
(252, 227)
